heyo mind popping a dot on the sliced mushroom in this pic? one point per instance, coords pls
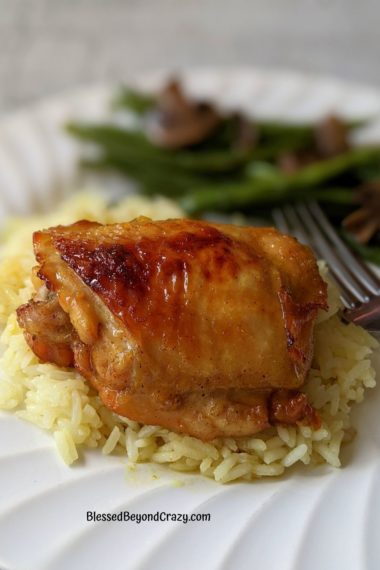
(331, 136)
(291, 162)
(364, 223)
(245, 134)
(177, 122)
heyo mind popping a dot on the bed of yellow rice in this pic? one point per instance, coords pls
(61, 401)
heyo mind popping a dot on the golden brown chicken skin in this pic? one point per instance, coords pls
(205, 329)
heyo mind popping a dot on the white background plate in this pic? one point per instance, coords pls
(307, 520)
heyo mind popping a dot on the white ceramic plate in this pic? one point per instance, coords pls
(309, 520)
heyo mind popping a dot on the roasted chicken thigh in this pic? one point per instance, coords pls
(205, 329)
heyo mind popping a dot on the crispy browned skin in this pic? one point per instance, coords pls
(202, 328)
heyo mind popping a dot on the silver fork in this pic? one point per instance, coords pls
(359, 285)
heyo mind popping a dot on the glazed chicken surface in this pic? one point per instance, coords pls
(205, 329)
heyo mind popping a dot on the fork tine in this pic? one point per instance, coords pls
(298, 228)
(286, 221)
(353, 291)
(358, 268)
(280, 220)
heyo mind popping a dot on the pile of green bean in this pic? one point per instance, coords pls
(213, 176)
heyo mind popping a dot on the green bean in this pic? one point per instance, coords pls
(152, 180)
(278, 187)
(135, 101)
(119, 143)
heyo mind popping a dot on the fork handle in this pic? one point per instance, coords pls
(366, 315)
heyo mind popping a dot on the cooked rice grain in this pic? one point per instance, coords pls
(62, 402)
